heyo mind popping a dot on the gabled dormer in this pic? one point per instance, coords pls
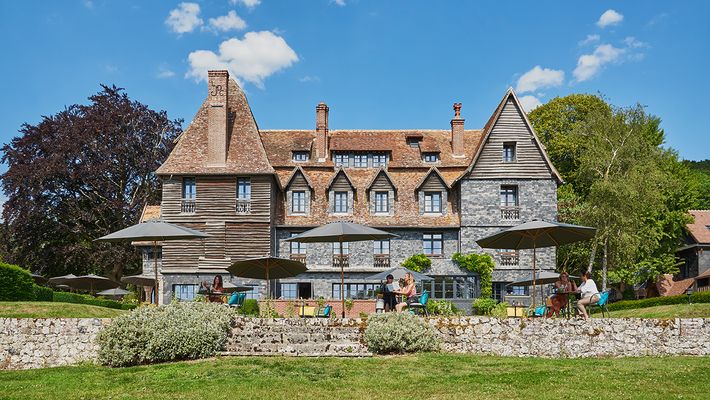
(298, 193)
(433, 193)
(381, 193)
(341, 194)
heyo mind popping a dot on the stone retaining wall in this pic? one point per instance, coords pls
(36, 343)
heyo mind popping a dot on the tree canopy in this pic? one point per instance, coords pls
(80, 174)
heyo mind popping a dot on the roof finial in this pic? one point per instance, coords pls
(457, 110)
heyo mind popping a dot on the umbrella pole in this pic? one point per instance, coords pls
(342, 279)
(534, 289)
(155, 270)
(268, 282)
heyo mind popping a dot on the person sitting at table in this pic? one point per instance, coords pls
(409, 291)
(560, 299)
(388, 294)
(589, 294)
(217, 290)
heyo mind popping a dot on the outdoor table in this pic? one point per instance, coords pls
(210, 294)
(571, 299)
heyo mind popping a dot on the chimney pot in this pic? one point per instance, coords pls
(457, 127)
(321, 132)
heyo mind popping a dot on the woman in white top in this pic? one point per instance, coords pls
(589, 294)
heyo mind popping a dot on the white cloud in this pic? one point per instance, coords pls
(588, 40)
(228, 22)
(589, 65)
(610, 17)
(253, 58)
(538, 78)
(633, 43)
(185, 18)
(164, 72)
(247, 3)
(340, 3)
(309, 78)
(88, 4)
(530, 103)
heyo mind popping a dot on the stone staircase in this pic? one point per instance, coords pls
(296, 337)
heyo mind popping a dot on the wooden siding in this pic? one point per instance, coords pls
(298, 182)
(341, 184)
(510, 127)
(216, 200)
(381, 183)
(433, 183)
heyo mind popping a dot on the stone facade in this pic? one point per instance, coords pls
(37, 343)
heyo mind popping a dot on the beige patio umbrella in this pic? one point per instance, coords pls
(341, 232)
(90, 283)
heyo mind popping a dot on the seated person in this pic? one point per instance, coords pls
(560, 300)
(388, 294)
(589, 294)
(217, 290)
(409, 291)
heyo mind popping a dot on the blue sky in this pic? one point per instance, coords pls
(378, 64)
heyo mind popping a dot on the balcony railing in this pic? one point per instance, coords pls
(340, 261)
(299, 257)
(243, 206)
(187, 206)
(382, 261)
(510, 213)
(509, 258)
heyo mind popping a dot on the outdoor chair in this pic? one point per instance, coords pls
(602, 303)
(325, 313)
(417, 308)
(236, 299)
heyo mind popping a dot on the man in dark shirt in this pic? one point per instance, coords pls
(387, 295)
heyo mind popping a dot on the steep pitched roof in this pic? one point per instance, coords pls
(381, 171)
(488, 128)
(433, 171)
(335, 177)
(296, 171)
(245, 152)
(698, 229)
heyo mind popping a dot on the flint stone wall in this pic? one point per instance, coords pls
(36, 343)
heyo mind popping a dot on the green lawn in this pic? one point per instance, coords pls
(432, 376)
(701, 310)
(42, 309)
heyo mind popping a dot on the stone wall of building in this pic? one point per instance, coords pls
(36, 343)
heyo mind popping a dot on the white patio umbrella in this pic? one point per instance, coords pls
(154, 231)
(341, 232)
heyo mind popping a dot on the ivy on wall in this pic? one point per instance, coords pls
(483, 265)
(417, 263)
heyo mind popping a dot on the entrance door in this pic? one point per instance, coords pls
(305, 290)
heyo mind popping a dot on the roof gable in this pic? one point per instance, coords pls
(382, 173)
(698, 229)
(297, 173)
(433, 174)
(340, 177)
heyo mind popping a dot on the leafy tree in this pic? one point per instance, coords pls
(417, 263)
(700, 179)
(80, 174)
(483, 265)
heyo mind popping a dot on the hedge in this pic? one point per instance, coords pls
(66, 297)
(697, 297)
(16, 283)
(42, 293)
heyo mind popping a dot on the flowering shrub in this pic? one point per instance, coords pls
(400, 333)
(178, 331)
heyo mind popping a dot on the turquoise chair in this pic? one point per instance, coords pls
(325, 313)
(602, 303)
(417, 308)
(234, 300)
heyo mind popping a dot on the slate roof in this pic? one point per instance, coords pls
(698, 229)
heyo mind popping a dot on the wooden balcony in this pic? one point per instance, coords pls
(299, 257)
(382, 261)
(340, 261)
(508, 258)
(510, 213)
(243, 206)
(187, 206)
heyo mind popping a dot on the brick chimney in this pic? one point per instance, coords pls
(321, 132)
(457, 132)
(217, 112)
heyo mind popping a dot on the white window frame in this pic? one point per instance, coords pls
(429, 204)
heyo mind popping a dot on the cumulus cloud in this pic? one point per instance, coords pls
(633, 43)
(610, 17)
(185, 18)
(589, 65)
(589, 40)
(340, 3)
(228, 22)
(538, 78)
(253, 58)
(164, 72)
(247, 3)
(530, 103)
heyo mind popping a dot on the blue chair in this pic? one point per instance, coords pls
(602, 303)
(540, 311)
(233, 300)
(325, 313)
(417, 308)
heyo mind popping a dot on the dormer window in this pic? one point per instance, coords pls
(360, 160)
(413, 141)
(379, 160)
(509, 152)
(432, 202)
(341, 159)
(301, 156)
(430, 157)
(340, 203)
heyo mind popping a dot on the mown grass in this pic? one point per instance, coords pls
(42, 309)
(430, 376)
(670, 311)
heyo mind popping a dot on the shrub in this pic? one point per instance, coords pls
(697, 297)
(500, 310)
(16, 283)
(482, 264)
(442, 307)
(178, 331)
(250, 308)
(66, 297)
(42, 293)
(417, 263)
(483, 306)
(400, 333)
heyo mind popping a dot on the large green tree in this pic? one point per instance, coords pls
(80, 174)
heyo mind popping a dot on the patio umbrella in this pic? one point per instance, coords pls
(341, 232)
(154, 231)
(267, 268)
(114, 293)
(542, 278)
(139, 280)
(398, 273)
(39, 279)
(59, 280)
(534, 234)
(90, 282)
(229, 287)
